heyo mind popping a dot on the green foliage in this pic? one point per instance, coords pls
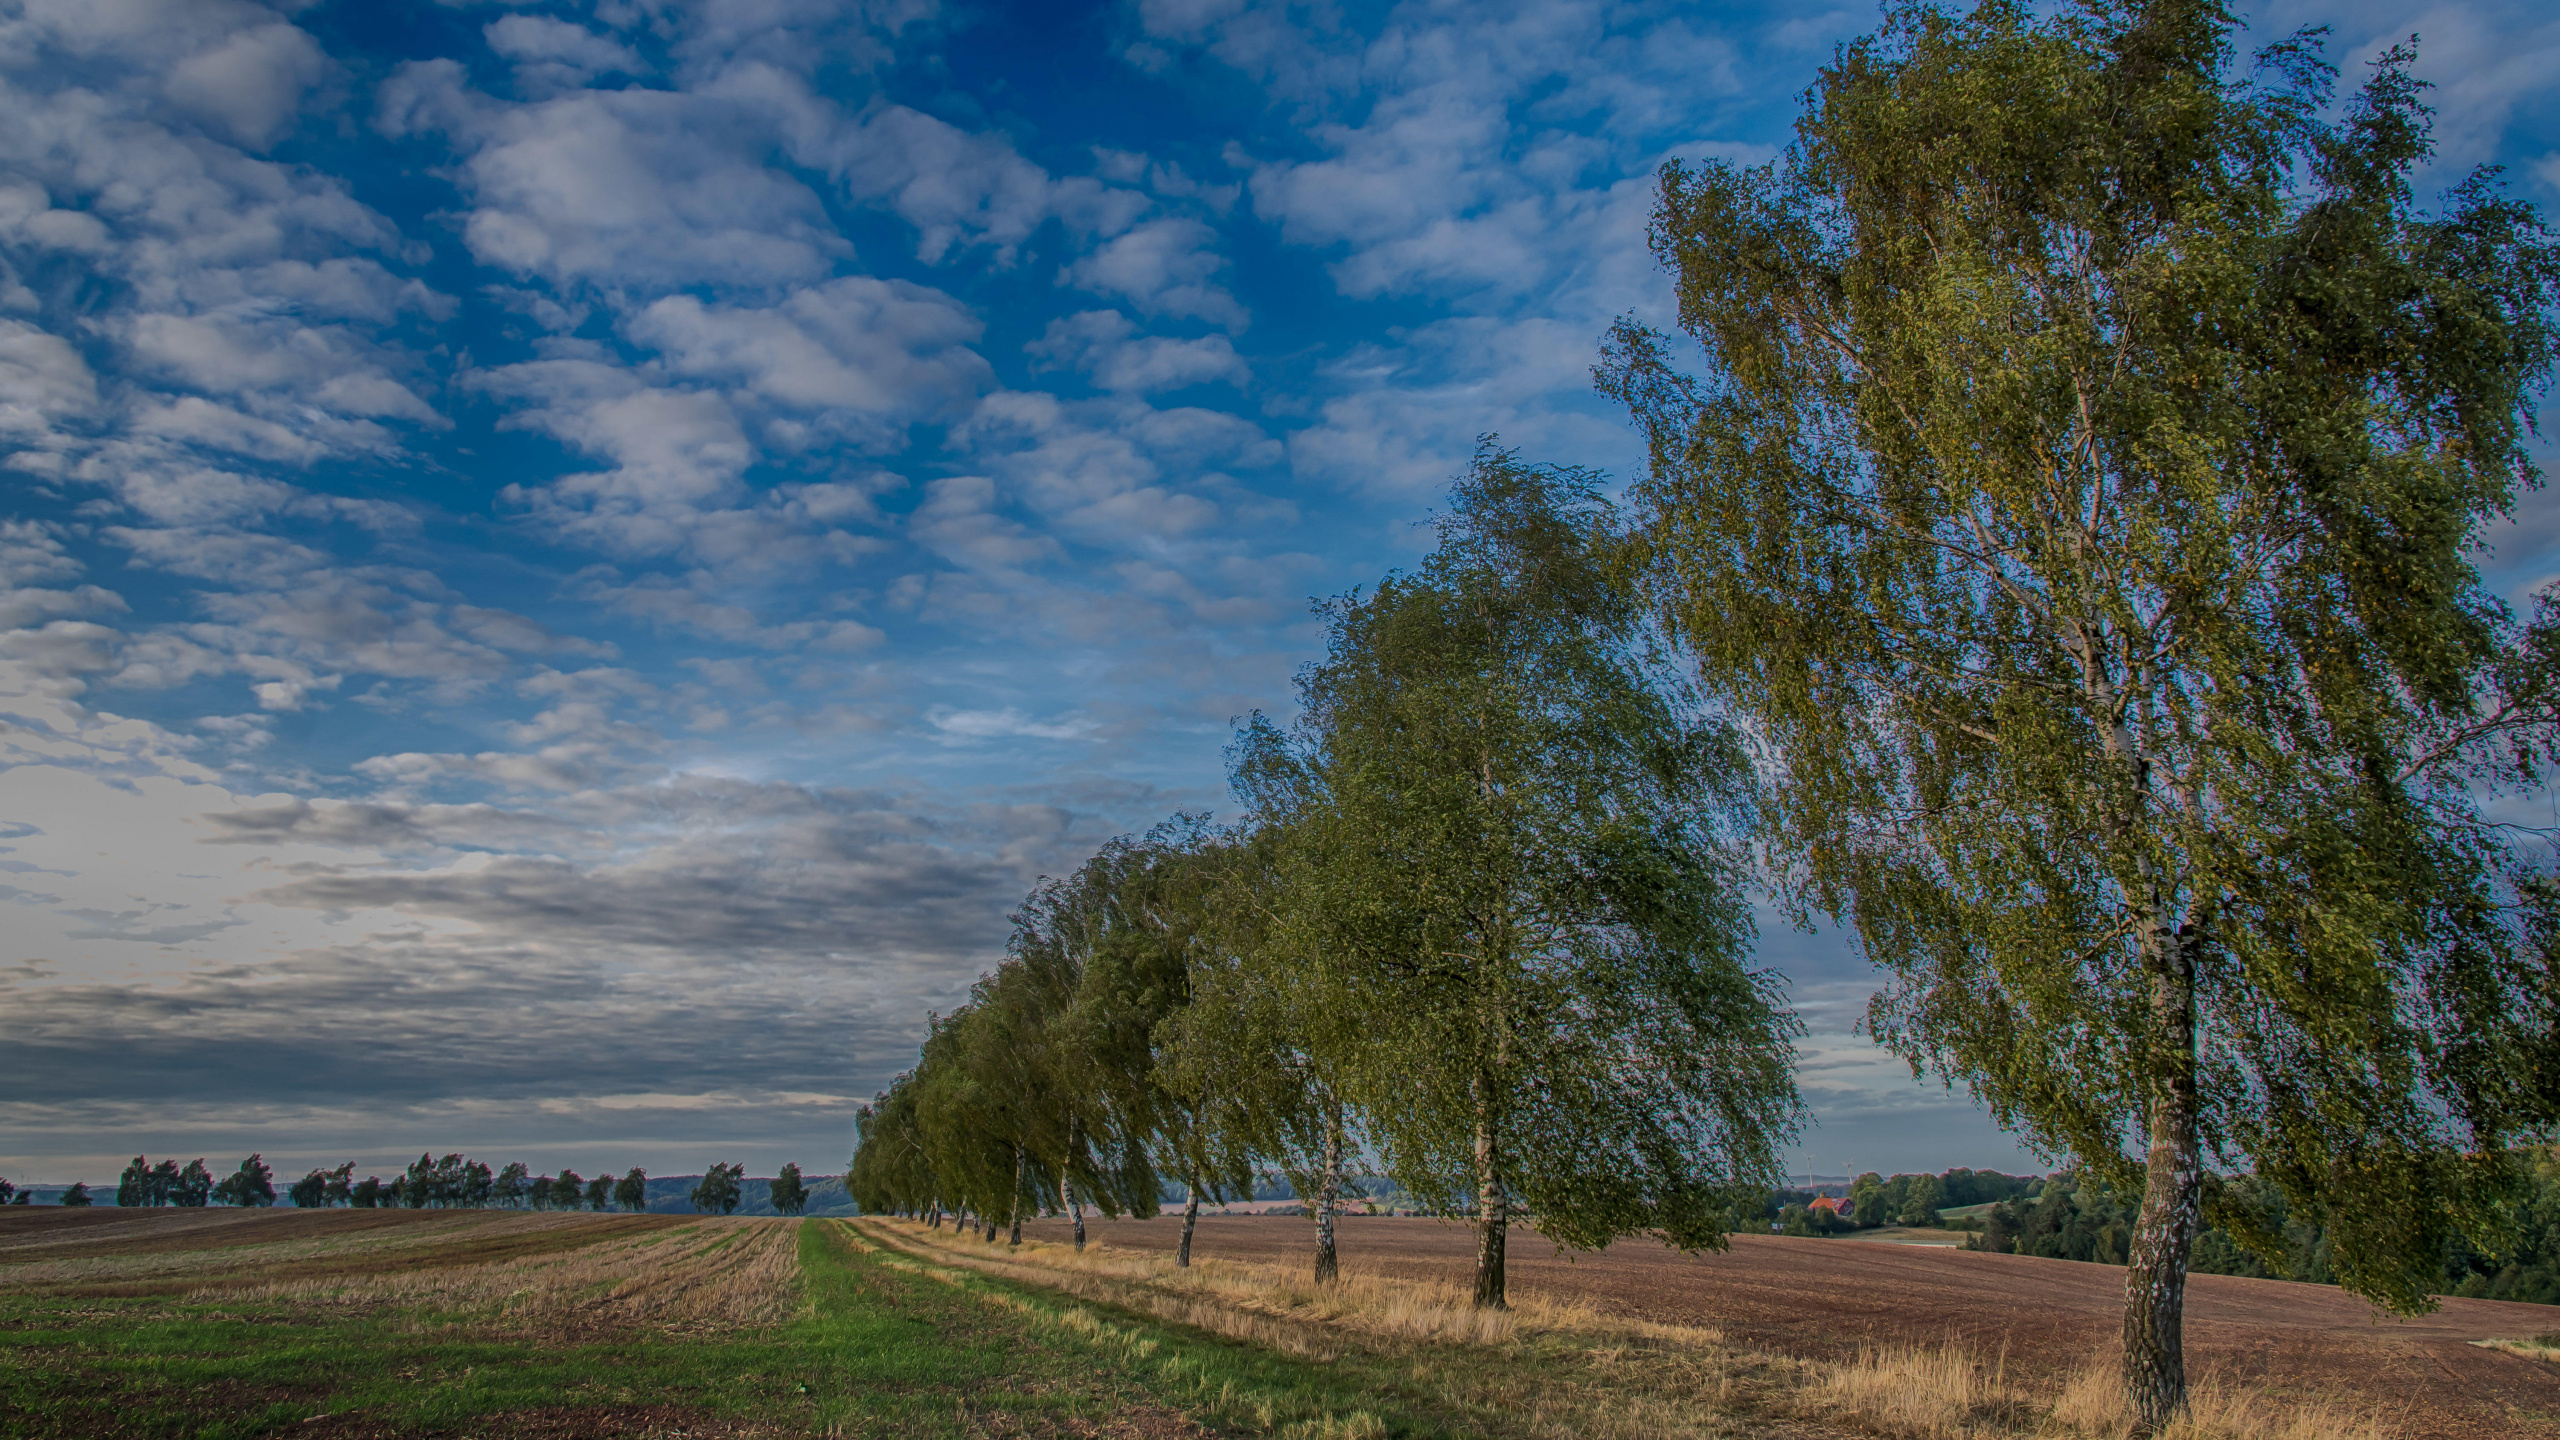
(510, 1186)
(191, 1187)
(252, 1186)
(2071, 1217)
(2078, 505)
(631, 1192)
(1500, 841)
(789, 1196)
(1246, 1086)
(718, 1191)
(77, 1195)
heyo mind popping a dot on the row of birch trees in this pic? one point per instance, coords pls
(2057, 563)
(1484, 929)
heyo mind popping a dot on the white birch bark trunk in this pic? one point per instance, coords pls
(1328, 1194)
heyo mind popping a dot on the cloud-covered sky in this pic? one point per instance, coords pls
(564, 565)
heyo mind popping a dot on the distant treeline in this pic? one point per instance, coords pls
(457, 1182)
(1872, 1200)
(2251, 1231)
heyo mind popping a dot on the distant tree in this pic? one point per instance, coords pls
(451, 1181)
(310, 1192)
(789, 1196)
(133, 1188)
(567, 1190)
(194, 1187)
(719, 1190)
(252, 1186)
(418, 1186)
(510, 1186)
(1867, 1206)
(477, 1187)
(1921, 1209)
(77, 1195)
(6, 1190)
(367, 1194)
(395, 1192)
(163, 1188)
(600, 1192)
(631, 1192)
(341, 1187)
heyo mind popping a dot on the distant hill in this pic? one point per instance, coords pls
(670, 1195)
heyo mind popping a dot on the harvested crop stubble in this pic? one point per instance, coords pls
(72, 1264)
(723, 1272)
(1607, 1375)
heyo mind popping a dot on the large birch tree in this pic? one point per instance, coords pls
(2078, 502)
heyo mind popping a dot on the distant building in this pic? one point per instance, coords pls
(1846, 1209)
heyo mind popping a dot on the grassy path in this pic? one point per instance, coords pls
(885, 1344)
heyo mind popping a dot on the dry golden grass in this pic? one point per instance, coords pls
(712, 1272)
(1372, 1305)
(1945, 1393)
(2540, 1347)
(1607, 1377)
(2093, 1404)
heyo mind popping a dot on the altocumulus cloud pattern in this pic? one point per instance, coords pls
(564, 564)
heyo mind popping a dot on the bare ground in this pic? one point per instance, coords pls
(1826, 1299)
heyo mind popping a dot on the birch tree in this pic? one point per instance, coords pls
(1505, 848)
(2078, 502)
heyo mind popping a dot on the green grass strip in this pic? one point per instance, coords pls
(879, 1348)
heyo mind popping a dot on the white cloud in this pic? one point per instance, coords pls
(575, 49)
(866, 356)
(42, 381)
(958, 521)
(1006, 724)
(1164, 267)
(247, 88)
(628, 187)
(1105, 345)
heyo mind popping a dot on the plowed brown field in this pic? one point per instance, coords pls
(1827, 1298)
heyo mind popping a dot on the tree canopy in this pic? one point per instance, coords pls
(2079, 506)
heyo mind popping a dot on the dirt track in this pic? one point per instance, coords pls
(1826, 1298)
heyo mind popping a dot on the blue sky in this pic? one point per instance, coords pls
(564, 565)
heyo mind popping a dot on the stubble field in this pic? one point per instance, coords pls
(224, 1325)
(2045, 1320)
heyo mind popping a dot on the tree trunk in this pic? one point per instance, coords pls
(2164, 1232)
(1494, 1227)
(1073, 1204)
(1328, 1193)
(1014, 1206)
(1190, 1218)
